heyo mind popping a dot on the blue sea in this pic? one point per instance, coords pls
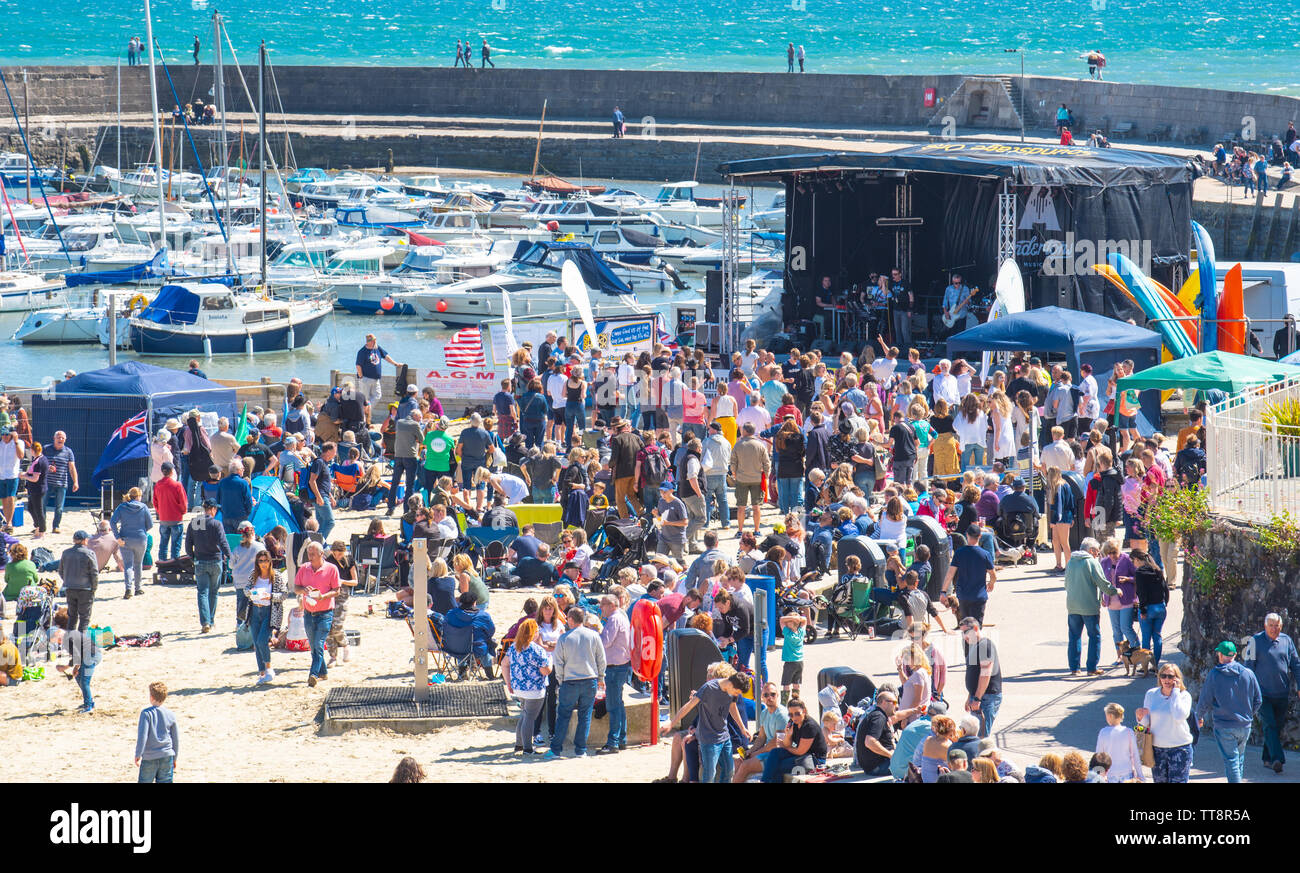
(1197, 42)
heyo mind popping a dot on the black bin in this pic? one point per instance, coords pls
(688, 656)
(856, 685)
(931, 534)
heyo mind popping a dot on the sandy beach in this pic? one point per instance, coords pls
(234, 731)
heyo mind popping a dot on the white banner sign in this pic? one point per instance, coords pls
(456, 384)
(526, 331)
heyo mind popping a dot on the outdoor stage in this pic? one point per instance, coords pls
(936, 208)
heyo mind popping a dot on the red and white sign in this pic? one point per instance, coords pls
(465, 349)
(463, 384)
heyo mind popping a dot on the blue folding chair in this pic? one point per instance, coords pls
(491, 543)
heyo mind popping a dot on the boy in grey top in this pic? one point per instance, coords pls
(408, 439)
(79, 569)
(158, 740)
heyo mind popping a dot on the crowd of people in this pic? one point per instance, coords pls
(844, 449)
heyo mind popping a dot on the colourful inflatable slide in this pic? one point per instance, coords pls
(1232, 313)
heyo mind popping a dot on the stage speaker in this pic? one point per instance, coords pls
(713, 296)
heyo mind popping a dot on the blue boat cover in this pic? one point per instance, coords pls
(595, 272)
(175, 304)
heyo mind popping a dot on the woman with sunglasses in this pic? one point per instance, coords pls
(264, 591)
(1164, 712)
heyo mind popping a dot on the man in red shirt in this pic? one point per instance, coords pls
(316, 584)
(672, 606)
(170, 502)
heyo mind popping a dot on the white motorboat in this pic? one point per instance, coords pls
(760, 250)
(22, 291)
(79, 323)
(424, 268)
(532, 279)
(772, 218)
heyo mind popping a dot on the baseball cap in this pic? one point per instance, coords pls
(244, 525)
(209, 504)
(80, 535)
(1227, 647)
(666, 485)
(410, 388)
(6, 430)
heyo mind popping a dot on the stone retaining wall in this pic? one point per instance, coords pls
(774, 98)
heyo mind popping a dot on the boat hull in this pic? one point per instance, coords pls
(167, 341)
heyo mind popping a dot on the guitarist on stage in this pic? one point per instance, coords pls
(956, 303)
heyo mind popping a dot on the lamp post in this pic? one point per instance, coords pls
(1021, 52)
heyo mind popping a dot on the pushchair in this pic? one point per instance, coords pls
(625, 546)
(1017, 538)
(35, 617)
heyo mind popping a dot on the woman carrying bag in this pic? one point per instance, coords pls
(264, 590)
(1167, 741)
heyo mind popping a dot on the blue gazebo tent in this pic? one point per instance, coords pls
(1082, 337)
(90, 406)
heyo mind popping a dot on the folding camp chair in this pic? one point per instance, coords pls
(458, 644)
(439, 660)
(377, 561)
(492, 543)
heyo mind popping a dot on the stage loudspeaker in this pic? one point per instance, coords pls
(713, 296)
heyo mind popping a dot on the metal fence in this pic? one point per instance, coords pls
(1253, 468)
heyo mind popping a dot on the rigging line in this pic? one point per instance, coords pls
(269, 152)
(189, 134)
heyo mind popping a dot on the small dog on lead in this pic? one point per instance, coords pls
(1135, 659)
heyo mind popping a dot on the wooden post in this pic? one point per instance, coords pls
(420, 600)
(266, 392)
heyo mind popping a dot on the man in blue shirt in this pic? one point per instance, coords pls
(1230, 693)
(1271, 655)
(370, 358)
(618, 123)
(971, 567)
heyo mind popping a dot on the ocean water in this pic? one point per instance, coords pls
(1198, 42)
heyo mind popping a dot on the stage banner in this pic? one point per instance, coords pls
(617, 336)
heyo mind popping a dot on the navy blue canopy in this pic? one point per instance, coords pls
(551, 256)
(175, 304)
(1082, 337)
(90, 406)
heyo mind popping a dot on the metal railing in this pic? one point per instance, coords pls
(1252, 467)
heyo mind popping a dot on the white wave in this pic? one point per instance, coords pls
(558, 49)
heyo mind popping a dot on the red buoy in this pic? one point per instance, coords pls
(442, 305)
(387, 304)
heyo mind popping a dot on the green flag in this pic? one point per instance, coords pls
(241, 433)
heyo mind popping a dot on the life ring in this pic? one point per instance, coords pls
(139, 301)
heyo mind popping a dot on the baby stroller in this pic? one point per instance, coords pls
(35, 617)
(625, 546)
(1017, 538)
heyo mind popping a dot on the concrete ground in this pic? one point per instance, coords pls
(1043, 708)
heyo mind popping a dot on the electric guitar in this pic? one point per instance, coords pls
(950, 318)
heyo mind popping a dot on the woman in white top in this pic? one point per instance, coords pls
(962, 371)
(159, 453)
(264, 589)
(550, 624)
(914, 692)
(724, 411)
(1164, 712)
(1004, 437)
(893, 522)
(971, 424)
(1025, 426)
(1119, 742)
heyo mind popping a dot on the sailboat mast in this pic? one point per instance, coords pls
(119, 113)
(537, 154)
(221, 105)
(261, 145)
(157, 128)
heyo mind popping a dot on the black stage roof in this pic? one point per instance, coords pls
(1023, 164)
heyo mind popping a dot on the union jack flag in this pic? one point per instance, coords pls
(134, 424)
(125, 443)
(465, 349)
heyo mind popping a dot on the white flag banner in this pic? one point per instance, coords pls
(512, 345)
(576, 289)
